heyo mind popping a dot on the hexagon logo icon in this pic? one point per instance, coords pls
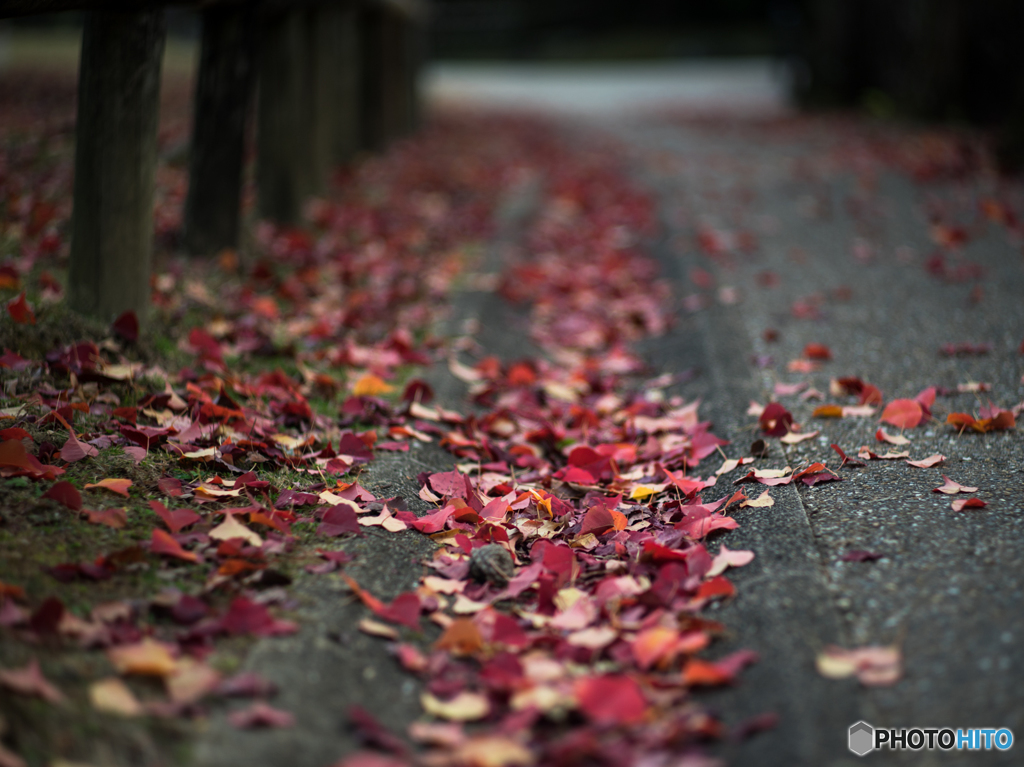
(862, 738)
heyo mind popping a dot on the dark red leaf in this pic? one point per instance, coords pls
(126, 327)
(169, 486)
(65, 493)
(775, 420)
(20, 310)
(175, 519)
(338, 520)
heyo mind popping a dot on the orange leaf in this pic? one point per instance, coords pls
(119, 486)
(462, 637)
(115, 518)
(370, 386)
(817, 352)
(700, 672)
(163, 543)
(961, 420)
(828, 411)
(653, 645)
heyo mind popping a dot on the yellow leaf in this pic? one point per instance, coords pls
(642, 491)
(761, 502)
(494, 751)
(148, 657)
(112, 696)
(205, 454)
(377, 629)
(232, 528)
(464, 707)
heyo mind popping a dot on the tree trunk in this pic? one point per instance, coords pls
(223, 90)
(115, 162)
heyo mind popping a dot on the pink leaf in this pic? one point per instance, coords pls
(927, 463)
(951, 487)
(260, 715)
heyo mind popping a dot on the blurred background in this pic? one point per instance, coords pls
(949, 61)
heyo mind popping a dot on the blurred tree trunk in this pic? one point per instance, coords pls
(284, 172)
(372, 108)
(335, 46)
(223, 91)
(115, 163)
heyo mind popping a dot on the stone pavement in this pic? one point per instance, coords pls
(805, 231)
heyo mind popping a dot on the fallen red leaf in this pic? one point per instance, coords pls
(611, 699)
(175, 519)
(65, 493)
(968, 503)
(20, 310)
(903, 413)
(126, 327)
(170, 486)
(247, 617)
(775, 420)
(817, 352)
(338, 520)
(405, 609)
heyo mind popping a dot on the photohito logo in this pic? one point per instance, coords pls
(863, 738)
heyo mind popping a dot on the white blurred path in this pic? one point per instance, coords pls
(756, 86)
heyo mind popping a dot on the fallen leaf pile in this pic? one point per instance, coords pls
(577, 545)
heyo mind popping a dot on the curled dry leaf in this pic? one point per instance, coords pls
(893, 439)
(950, 487)
(927, 463)
(794, 438)
(762, 501)
(727, 558)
